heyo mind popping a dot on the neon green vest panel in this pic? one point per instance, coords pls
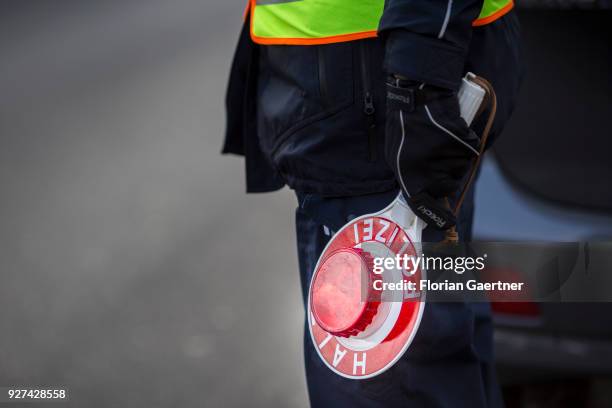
(308, 22)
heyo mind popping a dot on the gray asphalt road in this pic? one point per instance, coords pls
(133, 268)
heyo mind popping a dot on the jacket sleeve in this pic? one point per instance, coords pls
(428, 40)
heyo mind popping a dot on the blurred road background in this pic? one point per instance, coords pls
(133, 268)
(136, 272)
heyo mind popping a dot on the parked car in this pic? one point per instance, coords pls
(548, 178)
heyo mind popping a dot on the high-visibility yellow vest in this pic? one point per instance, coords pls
(310, 22)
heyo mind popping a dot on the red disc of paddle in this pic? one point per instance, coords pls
(358, 330)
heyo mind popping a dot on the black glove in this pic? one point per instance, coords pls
(429, 147)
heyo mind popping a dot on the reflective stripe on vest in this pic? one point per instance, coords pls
(310, 22)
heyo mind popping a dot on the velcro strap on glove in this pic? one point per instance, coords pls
(401, 98)
(432, 211)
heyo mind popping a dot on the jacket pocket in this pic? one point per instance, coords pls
(301, 85)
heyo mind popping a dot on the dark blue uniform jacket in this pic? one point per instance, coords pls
(312, 117)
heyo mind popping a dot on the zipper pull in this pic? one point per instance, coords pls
(368, 107)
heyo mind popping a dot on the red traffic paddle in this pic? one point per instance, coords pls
(359, 329)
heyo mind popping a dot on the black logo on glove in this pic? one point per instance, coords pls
(436, 219)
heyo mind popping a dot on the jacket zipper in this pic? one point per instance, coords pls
(322, 77)
(368, 100)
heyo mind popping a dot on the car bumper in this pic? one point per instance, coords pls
(526, 356)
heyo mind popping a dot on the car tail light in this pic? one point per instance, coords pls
(524, 309)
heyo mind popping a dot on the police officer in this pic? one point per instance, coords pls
(306, 106)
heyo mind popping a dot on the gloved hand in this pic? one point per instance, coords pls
(429, 147)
